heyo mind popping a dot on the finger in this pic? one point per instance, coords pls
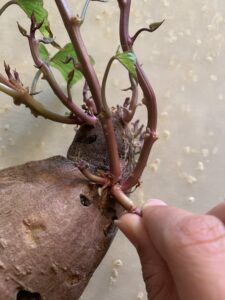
(193, 247)
(218, 211)
(132, 227)
(157, 277)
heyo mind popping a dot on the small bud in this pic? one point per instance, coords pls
(126, 102)
(8, 70)
(17, 77)
(22, 30)
(155, 26)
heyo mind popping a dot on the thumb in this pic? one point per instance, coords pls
(193, 247)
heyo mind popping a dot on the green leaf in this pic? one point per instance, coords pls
(58, 62)
(43, 52)
(128, 60)
(41, 14)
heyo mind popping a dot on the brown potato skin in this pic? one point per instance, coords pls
(50, 243)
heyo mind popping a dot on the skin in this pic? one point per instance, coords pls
(50, 216)
(182, 254)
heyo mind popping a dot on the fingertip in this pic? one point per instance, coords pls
(128, 220)
(154, 202)
(130, 225)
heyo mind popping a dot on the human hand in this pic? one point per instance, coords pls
(182, 254)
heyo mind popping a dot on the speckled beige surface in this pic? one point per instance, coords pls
(185, 61)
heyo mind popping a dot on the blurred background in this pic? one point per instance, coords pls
(184, 60)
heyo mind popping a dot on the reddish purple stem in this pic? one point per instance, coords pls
(149, 98)
(72, 25)
(48, 75)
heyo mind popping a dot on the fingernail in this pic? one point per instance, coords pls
(137, 211)
(154, 202)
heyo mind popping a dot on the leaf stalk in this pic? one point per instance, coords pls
(6, 5)
(8, 91)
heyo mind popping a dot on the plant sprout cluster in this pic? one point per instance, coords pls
(74, 63)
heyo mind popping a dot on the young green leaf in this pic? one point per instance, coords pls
(43, 52)
(128, 60)
(59, 62)
(41, 14)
